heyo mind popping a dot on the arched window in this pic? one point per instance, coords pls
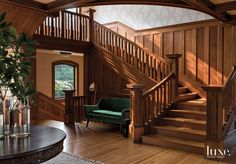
(64, 78)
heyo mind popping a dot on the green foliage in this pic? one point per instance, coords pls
(64, 79)
(60, 86)
(15, 52)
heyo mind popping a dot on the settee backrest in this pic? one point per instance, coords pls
(114, 104)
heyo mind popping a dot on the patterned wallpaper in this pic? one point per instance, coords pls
(147, 16)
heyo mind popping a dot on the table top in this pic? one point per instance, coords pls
(43, 141)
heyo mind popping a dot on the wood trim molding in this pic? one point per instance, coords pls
(208, 7)
(28, 4)
(223, 7)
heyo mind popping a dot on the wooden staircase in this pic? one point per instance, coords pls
(153, 118)
(182, 128)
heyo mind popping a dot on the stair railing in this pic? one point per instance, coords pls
(74, 110)
(154, 103)
(150, 64)
(66, 25)
(220, 110)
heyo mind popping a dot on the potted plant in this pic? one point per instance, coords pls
(15, 87)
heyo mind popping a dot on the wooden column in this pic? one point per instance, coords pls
(175, 68)
(136, 127)
(91, 27)
(69, 111)
(214, 118)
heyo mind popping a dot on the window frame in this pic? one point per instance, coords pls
(76, 75)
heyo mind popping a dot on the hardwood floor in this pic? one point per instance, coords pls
(104, 143)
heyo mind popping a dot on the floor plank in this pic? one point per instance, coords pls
(104, 143)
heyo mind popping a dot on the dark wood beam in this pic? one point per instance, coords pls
(176, 3)
(65, 4)
(27, 4)
(232, 21)
(223, 7)
(62, 4)
(207, 7)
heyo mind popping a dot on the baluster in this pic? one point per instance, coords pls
(80, 28)
(52, 26)
(41, 28)
(147, 64)
(72, 29)
(103, 37)
(165, 96)
(169, 92)
(151, 67)
(135, 60)
(127, 52)
(158, 102)
(155, 69)
(155, 104)
(83, 29)
(161, 99)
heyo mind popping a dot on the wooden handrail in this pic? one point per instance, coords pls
(129, 52)
(220, 104)
(231, 78)
(147, 107)
(135, 44)
(78, 14)
(151, 90)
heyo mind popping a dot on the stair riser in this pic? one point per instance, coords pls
(182, 90)
(187, 115)
(182, 135)
(186, 98)
(192, 107)
(183, 124)
(169, 144)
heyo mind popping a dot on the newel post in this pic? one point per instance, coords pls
(69, 111)
(136, 127)
(91, 26)
(174, 58)
(214, 118)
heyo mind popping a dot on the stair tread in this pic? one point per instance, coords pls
(181, 119)
(181, 129)
(188, 111)
(194, 102)
(176, 140)
(187, 94)
(183, 87)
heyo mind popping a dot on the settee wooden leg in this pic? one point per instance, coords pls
(87, 123)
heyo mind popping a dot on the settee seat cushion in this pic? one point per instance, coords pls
(107, 112)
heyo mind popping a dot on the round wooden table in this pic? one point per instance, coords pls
(43, 144)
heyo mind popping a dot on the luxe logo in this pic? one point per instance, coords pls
(217, 153)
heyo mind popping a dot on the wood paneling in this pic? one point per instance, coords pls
(108, 80)
(48, 108)
(24, 19)
(208, 48)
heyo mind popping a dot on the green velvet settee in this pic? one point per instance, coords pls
(110, 110)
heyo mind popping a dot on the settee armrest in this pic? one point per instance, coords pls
(125, 113)
(90, 108)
